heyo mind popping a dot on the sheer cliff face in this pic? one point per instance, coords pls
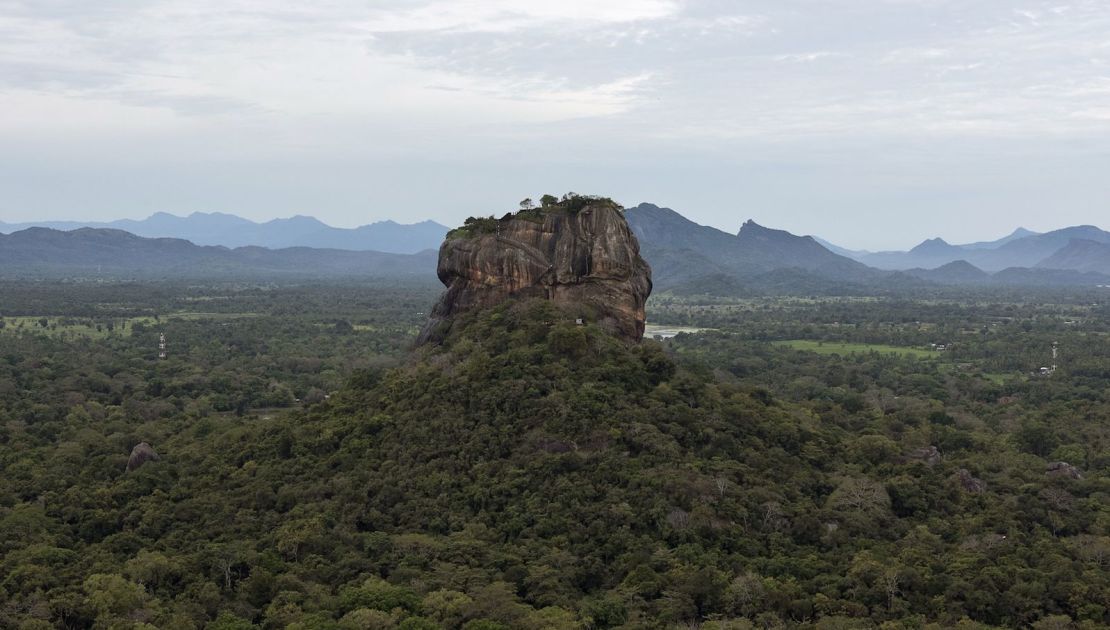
(587, 261)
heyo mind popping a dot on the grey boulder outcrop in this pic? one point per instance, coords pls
(141, 454)
(1063, 469)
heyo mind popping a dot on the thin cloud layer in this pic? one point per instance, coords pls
(895, 94)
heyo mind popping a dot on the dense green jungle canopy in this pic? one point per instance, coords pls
(531, 473)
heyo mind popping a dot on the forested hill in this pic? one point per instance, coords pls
(108, 253)
(754, 249)
(535, 474)
(228, 230)
(691, 259)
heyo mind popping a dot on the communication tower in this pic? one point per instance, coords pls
(162, 345)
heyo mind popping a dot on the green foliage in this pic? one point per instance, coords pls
(228, 621)
(377, 594)
(474, 226)
(531, 473)
(570, 202)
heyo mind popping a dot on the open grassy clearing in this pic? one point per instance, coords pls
(830, 347)
(55, 326)
(196, 315)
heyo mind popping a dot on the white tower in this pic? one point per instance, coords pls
(161, 345)
(1054, 354)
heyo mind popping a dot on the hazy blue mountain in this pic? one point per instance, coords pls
(689, 256)
(995, 244)
(928, 254)
(854, 254)
(685, 257)
(663, 227)
(228, 230)
(779, 249)
(93, 252)
(1022, 249)
(934, 247)
(1033, 250)
(1080, 255)
(383, 236)
(931, 252)
(956, 272)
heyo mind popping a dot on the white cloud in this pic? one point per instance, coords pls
(469, 82)
(509, 15)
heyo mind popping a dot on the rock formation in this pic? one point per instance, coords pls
(1063, 469)
(141, 454)
(930, 455)
(580, 254)
(969, 483)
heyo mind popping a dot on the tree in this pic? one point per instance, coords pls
(527, 204)
(228, 621)
(112, 595)
(863, 503)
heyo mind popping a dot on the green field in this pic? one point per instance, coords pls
(832, 347)
(56, 326)
(996, 378)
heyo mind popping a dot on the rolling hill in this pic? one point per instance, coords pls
(686, 258)
(684, 254)
(1022, 248)
(1080, 255)
(92, 252)
(228, 230)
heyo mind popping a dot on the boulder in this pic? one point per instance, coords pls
(141, 454)
(970, 484)
(1063, 469)
(928, 454)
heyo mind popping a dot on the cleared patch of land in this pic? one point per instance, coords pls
(832, 347)
(67, 327)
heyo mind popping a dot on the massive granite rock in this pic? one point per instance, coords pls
(583, 256)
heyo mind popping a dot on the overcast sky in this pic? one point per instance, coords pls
(872, 123)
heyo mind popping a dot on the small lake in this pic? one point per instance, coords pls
(651, 331)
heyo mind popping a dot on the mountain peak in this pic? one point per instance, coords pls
(298, 219)
(960, 265)
(751, 229)
(650, 210)
(932, 245)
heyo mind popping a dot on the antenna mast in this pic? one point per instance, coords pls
(1054, 355)
(162, 345)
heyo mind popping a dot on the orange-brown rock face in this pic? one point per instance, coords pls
(587, 261)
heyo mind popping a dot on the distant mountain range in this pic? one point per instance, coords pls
(100, 252)
(228, 230)
(686, 258)
(693, 258)
(1022, 248)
